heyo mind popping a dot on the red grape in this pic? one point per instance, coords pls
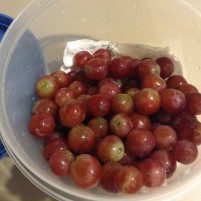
(172, 101)
(53, 136)
(190, 130)
(60, 162)
(86, 171)
(81, 139)
(81, 58)
(188, 89)
(104, 54)
(165, 137)
(176, 81)
(180, 119)
(193, 103)
(106, 81)
(110, 148)
(128, 179)
(153, 173)
(185, 152)
(122, 103)
(147, 101)
(96, 69)
(71, 113)
(140, 120)
(133, 67)
(61, 78)
(46, 86)
(41, 125)
(153, 81)
(51, 146)
(121, 125)
(45, 105)
(166, 159)
(98, 105)
(109, 90)
(166, 66)
(108, 176)
(119, 68)
(84, 99)
(148, 66)
(78, 88)
(99, 125)
(62, 95)
(140, 142)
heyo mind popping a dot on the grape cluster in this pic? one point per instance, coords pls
(117, 121)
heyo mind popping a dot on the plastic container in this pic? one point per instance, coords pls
(34, 45)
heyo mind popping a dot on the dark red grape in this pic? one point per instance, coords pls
(176, 81)
(188, 89)
(166, 159)
(133, 67)
(166, 66)
(140, 142)
(193, 103)
(172, 101)
(190, 130)
(153, 173)
(162, 117)
(108, 176)
(185, 152)
(180, 119)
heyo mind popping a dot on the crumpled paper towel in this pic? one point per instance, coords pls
(137, 51)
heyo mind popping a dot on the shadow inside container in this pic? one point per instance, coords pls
(19, 186)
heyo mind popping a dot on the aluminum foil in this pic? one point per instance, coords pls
(137, 51)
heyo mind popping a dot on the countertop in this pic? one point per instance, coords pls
(14, 186)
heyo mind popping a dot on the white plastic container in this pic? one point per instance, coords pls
(34, 45)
